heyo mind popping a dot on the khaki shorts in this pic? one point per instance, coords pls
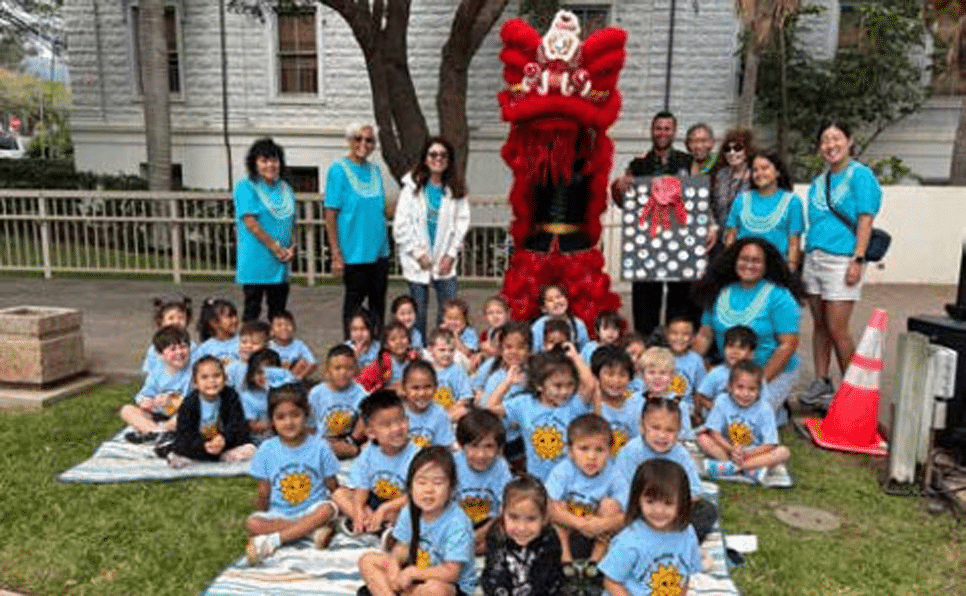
(824, 275)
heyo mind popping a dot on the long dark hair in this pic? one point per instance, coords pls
(451, 175)
(721, 273)
(660, 479)
(264, 147)
(434, 454)
(211, 309)
(784, 179)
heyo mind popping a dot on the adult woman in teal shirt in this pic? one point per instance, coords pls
(749, 284)
(356, 212)
(835, 253)
(265, 220)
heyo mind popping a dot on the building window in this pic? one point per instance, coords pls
(304, 179)
(592, 17)
(298, 59)
(172, 37)
(851, 31)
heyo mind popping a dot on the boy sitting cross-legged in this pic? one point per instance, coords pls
(163, 390)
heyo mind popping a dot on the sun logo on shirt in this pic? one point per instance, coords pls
(209, 431)
(620, 439)
(666, 581)
(476, 508)
(172, 403)
(420, 440)
(579, 509)
(739, 433)
(547, 442)
(422, 559)
(679, 385)
(296, 488)
(444, 397)
(386, 490)
(337, 422)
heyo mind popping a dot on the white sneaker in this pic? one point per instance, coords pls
(261, 547)
(819, 392)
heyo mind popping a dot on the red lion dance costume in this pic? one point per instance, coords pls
(560, 99)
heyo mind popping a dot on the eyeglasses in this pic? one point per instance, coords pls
(438, 155)
(734, 148)
(362, 139)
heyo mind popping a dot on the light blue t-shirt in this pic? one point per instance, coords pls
(746, 427)
(446, 539)
(274, 208)
(583, 493)
(470, 338)
(452, 385)
(482, 374)
(254, 401)
(544, 429)
(768, 309)
(587, 352)
(578, 332)
(224, 350)
(855, 191)
(434, 197)
(335, 412)
(296, 474)
(296, 350)
(480, 494)
(415, 338)
(490, 383)
(235, 375)
(161, 382)
(642, 559)
(208, 420)
(715, 383)
(357, 193)
(381, 474)
(773, 218)
(624, 420)
(430, 427)
(636, 385)
(688, 374)
(369, 355)
(638, 451)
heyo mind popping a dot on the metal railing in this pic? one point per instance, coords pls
(187, 234)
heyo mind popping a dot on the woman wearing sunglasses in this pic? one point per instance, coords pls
(431, 221)
(733, 176)
(356, 212)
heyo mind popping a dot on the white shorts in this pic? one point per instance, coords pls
(823, 275)
(273, 514)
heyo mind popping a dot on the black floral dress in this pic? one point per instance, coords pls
(513, 570)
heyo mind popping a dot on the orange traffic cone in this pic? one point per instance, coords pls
(852, 422)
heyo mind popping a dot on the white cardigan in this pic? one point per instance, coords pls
(410, 231)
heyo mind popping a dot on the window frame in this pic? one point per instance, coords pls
(275, 63)
(588, 5)
(134, 52)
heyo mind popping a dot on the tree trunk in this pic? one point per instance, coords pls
(154, 82)
(957, 169)
(749, 84)
(783, 117)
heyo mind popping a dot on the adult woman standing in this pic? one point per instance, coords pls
(770, 210)
(432, 218)
(265, 221)
(700, 144)
(732, 176)
(750, 285)
(355, 223)
(835, 252)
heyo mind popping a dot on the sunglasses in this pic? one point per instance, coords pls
(438, 155)
(362, 139)
(734, 148)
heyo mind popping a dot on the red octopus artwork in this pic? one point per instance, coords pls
(561, 97)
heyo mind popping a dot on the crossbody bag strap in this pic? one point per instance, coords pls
(828, 200)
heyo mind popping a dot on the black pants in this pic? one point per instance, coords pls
(276, 295)
(365, 282)
(646, 298)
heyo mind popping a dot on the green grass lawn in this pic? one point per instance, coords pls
(174, 537)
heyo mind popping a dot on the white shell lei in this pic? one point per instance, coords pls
(731, 316)
(370, 189)
(281, 209)
(762, 224)
(816, 193)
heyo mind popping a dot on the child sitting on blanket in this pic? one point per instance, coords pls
(376, 477)
(428, 422)
(211, 423)
(252, 337)
(218, 330)
(264, 372)
(168, 310)
(168, 382)
(614, 400)
(296, 356)
(740, 435)
(740, 343)
(657, 552)
(335, 403)
(434, 552)
(297, 485)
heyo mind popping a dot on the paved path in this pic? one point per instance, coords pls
(118, 318)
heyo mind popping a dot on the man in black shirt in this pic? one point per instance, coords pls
(661, 160)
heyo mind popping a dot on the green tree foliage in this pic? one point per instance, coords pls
(870, 85)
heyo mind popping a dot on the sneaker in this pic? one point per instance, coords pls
(261, 547)
(164, 444)
(717, 469)
(137, 437)
(819, 392)
(321, 537)
(758, 475)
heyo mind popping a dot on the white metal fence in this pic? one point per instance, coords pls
(186, 234)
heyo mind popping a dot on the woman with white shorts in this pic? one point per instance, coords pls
(835, 253)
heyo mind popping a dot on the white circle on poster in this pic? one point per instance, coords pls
(700, 250)
(703, 193)
(689, 192)
(630, 204)
(701, 263)
(641, 273)
(628, 274)
(687, 272)
(683, 255)
(702, 219)
(628, 232)
(703, 205)
(629, 246)
(642, 200)
(628, 262)
(689, 205)
(673, 245)
(666, 234)
(662, 256)
(640, 239)
(628, 218)
(642, 254)
(701, 230)
(661, 273)
(683, 231)
(689, 241)
(649, 263)
(629, 193)
(656, 243)
(672, 266)
(641, 189)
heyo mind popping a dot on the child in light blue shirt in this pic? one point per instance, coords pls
(335, 403)
(618, 405)
(689, 365)
(554, 303)
(481, 470)
(164, 389)
(295, 354)
(608, 326)
(168, 310)
(428, 422)
(453, 384)
(218, 331)
(740, 342)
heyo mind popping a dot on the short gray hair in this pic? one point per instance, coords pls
(355, 128)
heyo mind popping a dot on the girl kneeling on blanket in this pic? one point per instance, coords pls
(434, 552)
(297, 490)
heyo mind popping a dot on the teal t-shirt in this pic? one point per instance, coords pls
(855, 191)
(434, 197)
(356, 192)
(274, 208)
(773, 218)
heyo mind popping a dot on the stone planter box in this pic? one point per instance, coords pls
(40, 345)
